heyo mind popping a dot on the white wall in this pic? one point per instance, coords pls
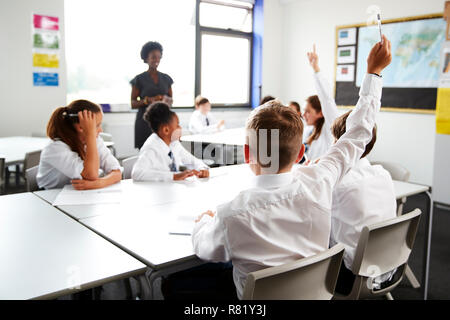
(404, 138)
(24, 108)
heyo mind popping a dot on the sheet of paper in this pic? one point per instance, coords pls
(346, 36)
(346, 54)
(182, 225)
(70, 196)
(345, 73)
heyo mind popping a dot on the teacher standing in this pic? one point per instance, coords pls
(148, 87)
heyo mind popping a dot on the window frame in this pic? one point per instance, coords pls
(200, 31)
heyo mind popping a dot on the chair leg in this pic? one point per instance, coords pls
(389, 296)
(412, 278)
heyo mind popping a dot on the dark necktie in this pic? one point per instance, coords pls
(172, 166)
(207, 121)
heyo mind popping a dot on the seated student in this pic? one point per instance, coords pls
(76, 152)
(296, 107)
(162, 155)
(364, 196)
(202, 121)
(320, 112)
(286, 216)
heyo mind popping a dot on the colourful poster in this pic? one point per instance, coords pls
(46, 40)
(45, 22)
(45, 79)
(44, 60)
(443, 111)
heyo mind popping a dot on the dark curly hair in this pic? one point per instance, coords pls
(149, 47)
(158, 114)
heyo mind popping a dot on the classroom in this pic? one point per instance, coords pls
(224, 151)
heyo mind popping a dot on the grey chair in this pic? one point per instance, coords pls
(108, 138)
(382, 247)
(311, 278)
(400, 173)
(127, 165)
(2, 175)
(30, 178)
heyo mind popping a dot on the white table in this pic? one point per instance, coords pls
(145, 215)
(406, 189)
(45, 254)
(234, 136)
(13, 149)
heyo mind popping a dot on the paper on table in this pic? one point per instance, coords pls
(182, 225)
(70, 196)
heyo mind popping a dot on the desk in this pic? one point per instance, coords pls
(406, 189)
(46, 254)
(13, 149)
(234, 136)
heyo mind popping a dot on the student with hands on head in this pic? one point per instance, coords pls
(162, 155)
(77, 154)
(287, 214)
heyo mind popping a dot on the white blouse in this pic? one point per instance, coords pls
(320, 146)
(154, 161)
(59, 164)
(286, 217)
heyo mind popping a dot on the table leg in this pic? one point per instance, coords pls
(428, 226)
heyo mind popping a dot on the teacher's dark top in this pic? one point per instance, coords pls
(147, 87)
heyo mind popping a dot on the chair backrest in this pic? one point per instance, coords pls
(384, 246)
(30, 177)
(106, 136)
(397, 171)
(311, 278)
(31, 159)
(127, 165)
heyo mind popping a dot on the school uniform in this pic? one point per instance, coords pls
(58, 164)
(287, 216)
(158, 161)
(325, 140)
(200, 123)
(364, 196)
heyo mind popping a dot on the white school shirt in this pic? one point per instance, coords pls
(59, 164)
(364, 196)
(286, 217)
(320, 146)
(197, 123)
(154, 161)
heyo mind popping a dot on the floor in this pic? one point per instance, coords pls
(439, 279)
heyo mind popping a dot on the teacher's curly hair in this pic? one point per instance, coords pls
(149, 47)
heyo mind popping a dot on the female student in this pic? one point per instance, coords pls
(76, 152)
(320, 112)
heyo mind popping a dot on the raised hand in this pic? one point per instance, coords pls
(379, 57)
(314, 59)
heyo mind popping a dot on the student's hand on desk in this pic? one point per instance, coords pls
(314, 59)
(202, 174)
(81, 184)
(220, 123)
(209, 213)
(183, 175)
(379, 57)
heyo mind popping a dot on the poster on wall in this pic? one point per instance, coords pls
(347, 36)
(443, 95)
(46, 40)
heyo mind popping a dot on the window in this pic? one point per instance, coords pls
(104, 39)
(224, 46)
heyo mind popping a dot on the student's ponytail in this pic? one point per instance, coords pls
(314, 102)
(61, 124)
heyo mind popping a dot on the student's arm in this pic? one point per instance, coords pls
(112, 177)
(148, 168)
(329, 108)
(349, 148)
(208, 238)
(91, 162)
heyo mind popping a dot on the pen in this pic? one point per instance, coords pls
(379, 27)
